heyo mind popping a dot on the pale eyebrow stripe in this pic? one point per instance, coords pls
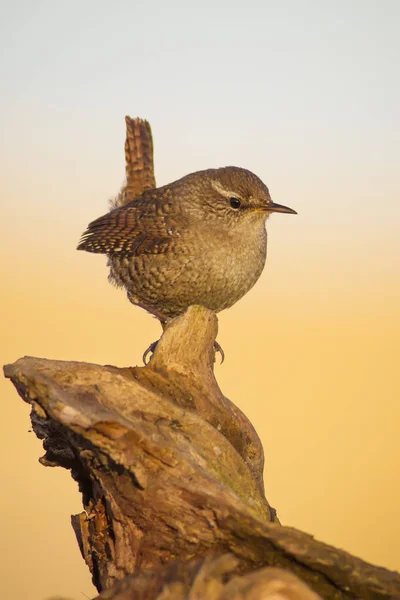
(221, 190)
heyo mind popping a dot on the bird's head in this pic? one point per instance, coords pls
(232, 194)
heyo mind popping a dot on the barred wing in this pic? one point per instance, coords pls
(145, 226)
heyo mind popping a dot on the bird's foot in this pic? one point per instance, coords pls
(153, 346)
(218, 348)
(150, 350)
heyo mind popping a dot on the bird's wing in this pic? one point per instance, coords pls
(145, 226)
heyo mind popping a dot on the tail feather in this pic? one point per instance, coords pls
(139, 162)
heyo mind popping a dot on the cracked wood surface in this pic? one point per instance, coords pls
(170, 472)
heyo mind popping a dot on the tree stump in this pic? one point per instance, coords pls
(170, 473)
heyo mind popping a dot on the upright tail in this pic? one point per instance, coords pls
(139, 162)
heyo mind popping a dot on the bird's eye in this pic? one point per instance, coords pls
(235, 202)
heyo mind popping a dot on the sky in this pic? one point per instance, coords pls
(306, 94)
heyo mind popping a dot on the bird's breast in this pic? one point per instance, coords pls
(231, 262)
(206, 266)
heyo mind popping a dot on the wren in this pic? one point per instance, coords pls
(199, 240)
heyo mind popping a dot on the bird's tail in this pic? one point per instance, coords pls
(139, 162)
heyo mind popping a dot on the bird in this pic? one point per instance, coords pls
(198, 240)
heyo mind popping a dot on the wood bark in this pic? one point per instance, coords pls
(170, 472)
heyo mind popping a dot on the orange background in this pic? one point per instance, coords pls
(307, 99)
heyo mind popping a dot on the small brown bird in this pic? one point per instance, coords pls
(198, 240)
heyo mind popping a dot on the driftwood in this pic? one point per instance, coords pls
(171, 478)
(171, 471)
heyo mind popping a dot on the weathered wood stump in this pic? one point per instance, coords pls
(171, 478)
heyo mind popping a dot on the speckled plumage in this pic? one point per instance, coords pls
(185, 243)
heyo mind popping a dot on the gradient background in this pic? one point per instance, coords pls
(304, 93)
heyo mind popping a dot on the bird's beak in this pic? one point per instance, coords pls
(273, 207)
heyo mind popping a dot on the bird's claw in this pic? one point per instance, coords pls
(150, 350)
(217, 348)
